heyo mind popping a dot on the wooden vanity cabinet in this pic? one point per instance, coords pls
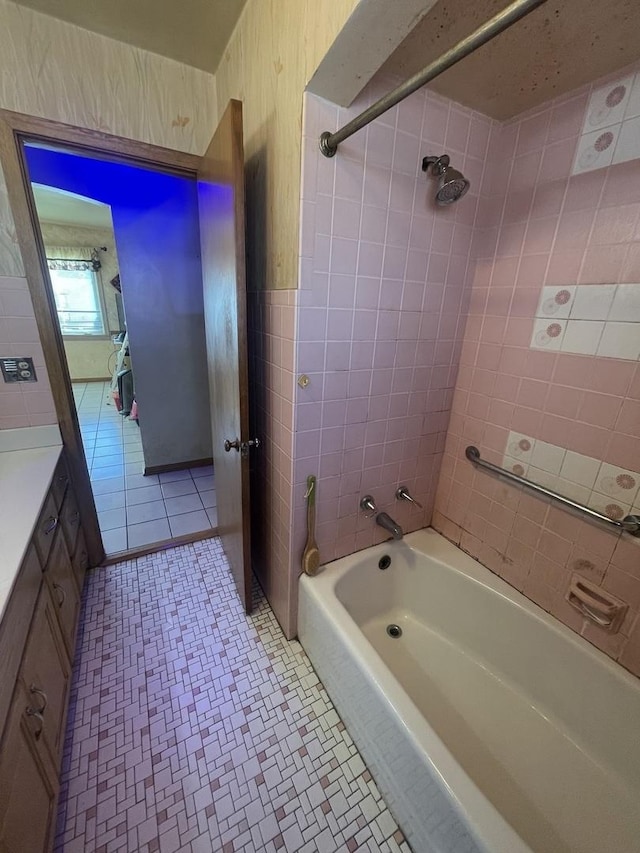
(28, 783)
(37, 644)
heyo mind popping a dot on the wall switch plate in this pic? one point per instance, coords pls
(18, 369)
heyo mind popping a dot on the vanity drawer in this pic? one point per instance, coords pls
(46, 528)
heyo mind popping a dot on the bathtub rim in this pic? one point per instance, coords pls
(485, 823)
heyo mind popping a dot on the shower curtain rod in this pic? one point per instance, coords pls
(494, 26)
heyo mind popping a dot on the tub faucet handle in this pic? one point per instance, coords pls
(402, 494)
(368, 506)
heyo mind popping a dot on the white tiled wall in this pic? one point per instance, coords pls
(610, 490)
(611, 129)
(591, 319)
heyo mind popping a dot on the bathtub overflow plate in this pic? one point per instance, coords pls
(394, 631)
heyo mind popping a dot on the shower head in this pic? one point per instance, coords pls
(452, 184)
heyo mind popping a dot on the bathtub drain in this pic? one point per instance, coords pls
(394, 631)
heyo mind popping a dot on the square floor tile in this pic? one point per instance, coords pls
(108, 485)
(112, 518)
(107, 472)
(115, 540)
(184, 503)
(205, 484)
(148, 532)
(110, 500)
(138, 513)
(208, 499)
(179, 487)
(143, 495)
(134, 468)
(140, 481)
(101, 460)
(190, 522)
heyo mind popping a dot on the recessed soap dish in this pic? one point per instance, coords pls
(598, 605)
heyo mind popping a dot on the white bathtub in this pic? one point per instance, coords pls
(488, 725)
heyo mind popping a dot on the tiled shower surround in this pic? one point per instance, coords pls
(385, 282)
(550, 358)
(196, 728)
(376, 327)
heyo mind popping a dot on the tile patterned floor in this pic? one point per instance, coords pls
(133, 509)
(195, 728)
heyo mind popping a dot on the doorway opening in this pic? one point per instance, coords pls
(121, 244)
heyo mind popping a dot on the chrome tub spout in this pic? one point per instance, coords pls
(390, 525)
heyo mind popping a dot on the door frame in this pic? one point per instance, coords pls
(16, 129)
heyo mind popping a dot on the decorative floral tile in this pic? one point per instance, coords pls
(548, 334)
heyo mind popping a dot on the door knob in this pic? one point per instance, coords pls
(243, 446)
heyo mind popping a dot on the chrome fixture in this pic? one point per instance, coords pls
(394, 631)
(629, 524)
(385, 521)
(241, 446)
(452, 184)
(368, 506)
(494, 26)
(402, 494)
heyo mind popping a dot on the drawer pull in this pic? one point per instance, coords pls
(38, 692)
(63, 479)
(50, 526)
(62, 594)
(40, 718)
(75, 518)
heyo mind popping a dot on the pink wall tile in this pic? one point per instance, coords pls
(545, 227)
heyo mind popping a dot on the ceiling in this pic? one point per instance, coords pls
(191, 31)
(558, 47)
(65, 208)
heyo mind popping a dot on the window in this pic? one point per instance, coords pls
(77, 301)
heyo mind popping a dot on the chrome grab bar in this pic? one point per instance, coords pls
(629, 524)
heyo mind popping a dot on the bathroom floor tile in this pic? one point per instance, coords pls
(212, 515)
(213, 732)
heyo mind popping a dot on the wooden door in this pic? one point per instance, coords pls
(222, 227)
